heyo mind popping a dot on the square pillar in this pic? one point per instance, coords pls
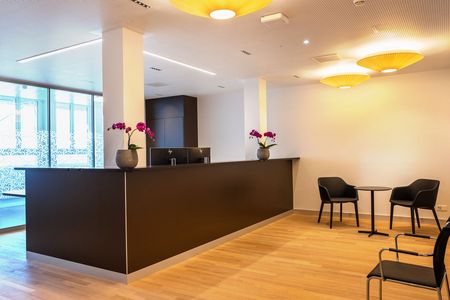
(255, 112)
(123, 90)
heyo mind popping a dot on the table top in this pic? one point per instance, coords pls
(373, 188)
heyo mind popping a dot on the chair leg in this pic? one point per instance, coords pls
(439, 294)
(368, 288)
(331, 215)
(436, 218)
(417, 217)
(413, 226)
(340, 211)
(356, 213)
(381, 288)
(448, 287)
(320, 213)
(392, 216)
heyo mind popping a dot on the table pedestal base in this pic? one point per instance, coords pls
(373, 232)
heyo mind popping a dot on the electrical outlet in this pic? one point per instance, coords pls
(441, 207)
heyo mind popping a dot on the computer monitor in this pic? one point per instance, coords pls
(163, 156)
(197, 155)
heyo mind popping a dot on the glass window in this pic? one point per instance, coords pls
(23, 143)
(99, 129)
(63, 130)
(71, 129)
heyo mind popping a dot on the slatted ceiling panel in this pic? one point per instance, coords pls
(409, 17)
(333, 26)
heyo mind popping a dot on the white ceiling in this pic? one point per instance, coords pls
(29, 27)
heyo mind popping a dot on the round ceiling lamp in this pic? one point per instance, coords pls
(391, 61)
(220, 9)
(345, 81)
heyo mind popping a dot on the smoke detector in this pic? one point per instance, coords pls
(359, 2)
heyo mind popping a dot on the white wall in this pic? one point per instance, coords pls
(389, 131)
(221, 125)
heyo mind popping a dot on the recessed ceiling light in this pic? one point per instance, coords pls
(306, 42)
(222, 14)
(179, 63)
(57, 51)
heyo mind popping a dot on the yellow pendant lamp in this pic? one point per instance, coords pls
(220, 9)
(391, 61)
(345, 81)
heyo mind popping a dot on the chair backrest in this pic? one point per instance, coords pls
(439, 253)
(425, 184)
(336, 186)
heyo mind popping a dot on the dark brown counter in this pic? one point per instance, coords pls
(126, 221)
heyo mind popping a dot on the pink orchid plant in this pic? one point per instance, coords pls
(265, 140)
(140, 126)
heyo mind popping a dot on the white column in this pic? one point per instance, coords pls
(123, 89)
(255, 111)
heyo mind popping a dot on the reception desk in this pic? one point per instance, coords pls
(124, 225)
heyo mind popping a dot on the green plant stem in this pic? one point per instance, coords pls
(129, 137)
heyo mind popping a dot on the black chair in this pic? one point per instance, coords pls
(414, 275)
(422, 194)
(335, 190)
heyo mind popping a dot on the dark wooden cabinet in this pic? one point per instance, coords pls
(174, 121)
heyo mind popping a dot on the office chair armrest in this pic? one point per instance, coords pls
(421, 236)
(351, 192)
(327, 193)
(426, 197)
(397, 251)
(401, 192)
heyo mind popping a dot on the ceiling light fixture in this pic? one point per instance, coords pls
(179, 63)
(57, 51)
(345, 81)
(306, 42)
(222, 14)
(220, 9)
(391, 61)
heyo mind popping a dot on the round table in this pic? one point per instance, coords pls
(372, 190)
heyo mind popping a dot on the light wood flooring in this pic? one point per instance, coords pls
(293, 258)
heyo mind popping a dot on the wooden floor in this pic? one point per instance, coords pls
(293, 258)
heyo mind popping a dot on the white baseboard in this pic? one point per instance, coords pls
(124, 278)
(367, 215)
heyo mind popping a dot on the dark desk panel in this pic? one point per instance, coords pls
(77, 215)
(81, 215)
(175, 210)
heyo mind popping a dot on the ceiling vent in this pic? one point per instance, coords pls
(274, 19)
(143, 3)
(326, 58)
(246, 52)
(157, 84)
(155, 69)
(359, 2)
